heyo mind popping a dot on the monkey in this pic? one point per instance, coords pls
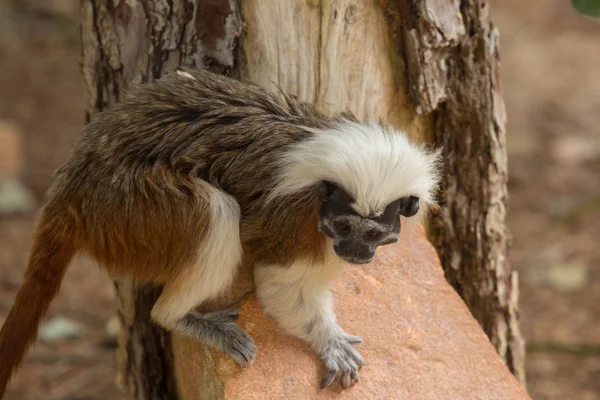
(189, 174)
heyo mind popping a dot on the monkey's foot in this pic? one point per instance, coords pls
(340, 356)
(219, 330)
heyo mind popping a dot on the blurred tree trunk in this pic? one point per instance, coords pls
(425, 66)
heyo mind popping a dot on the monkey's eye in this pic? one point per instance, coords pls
(372, 233)
(342, 226)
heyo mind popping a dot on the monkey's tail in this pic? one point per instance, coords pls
(51, 253)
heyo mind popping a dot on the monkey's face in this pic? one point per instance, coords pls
(357, 237)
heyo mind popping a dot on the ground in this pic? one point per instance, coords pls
(551, 85)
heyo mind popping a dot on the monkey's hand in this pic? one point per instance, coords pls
(219, 330)
(339, 356)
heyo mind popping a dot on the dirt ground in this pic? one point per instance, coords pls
(551, 81)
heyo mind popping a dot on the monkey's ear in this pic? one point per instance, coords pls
(409, 206)
(327, 190)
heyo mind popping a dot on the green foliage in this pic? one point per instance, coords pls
(591, 8)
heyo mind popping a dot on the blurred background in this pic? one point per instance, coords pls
(551, 82)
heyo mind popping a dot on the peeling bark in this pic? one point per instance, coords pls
(132, 41)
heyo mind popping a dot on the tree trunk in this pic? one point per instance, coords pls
(427, 67)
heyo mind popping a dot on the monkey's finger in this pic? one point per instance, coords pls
(232, 313)
(346, 379)
(242, 348)
(248, 351)
(328, 380)
(354, 339)
(349, 371)
(357, 357)
(347, 366)
(354, 375)
(352, 365)
(244, 357)
(344, 365)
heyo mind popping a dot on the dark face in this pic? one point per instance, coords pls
(356, 237)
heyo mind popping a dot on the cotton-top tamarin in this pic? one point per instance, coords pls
(187, 174)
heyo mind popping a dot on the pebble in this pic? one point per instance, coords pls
(60, 328)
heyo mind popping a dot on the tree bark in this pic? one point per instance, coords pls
(427, 67)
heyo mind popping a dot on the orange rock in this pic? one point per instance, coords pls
(420, 342)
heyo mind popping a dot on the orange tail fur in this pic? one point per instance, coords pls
(50, 256)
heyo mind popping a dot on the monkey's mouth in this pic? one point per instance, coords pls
(355, 260)
(353, 252)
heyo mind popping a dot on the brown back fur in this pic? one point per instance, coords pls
(131, 179)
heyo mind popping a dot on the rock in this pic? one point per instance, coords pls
(420, 342)
(567, 277)
(15, 197)
(59, 328)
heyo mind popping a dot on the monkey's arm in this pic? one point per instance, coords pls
(218, 259)
(298, 298)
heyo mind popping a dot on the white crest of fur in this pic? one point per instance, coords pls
(374, 165)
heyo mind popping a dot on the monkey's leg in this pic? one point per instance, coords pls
(298, 298)
(219, 257)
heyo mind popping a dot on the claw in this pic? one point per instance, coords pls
(356, 357)
(328, 380)
(346, 380)
(234, 314)
(340, 355)
(219, 331)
